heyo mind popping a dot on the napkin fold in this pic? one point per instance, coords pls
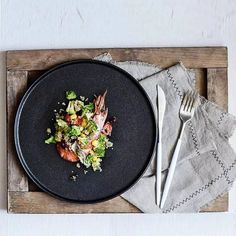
(206, 166)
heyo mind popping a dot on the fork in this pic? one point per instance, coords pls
(186, 114)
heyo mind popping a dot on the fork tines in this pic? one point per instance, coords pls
(189, 101)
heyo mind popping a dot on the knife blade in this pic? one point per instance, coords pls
(161, 105)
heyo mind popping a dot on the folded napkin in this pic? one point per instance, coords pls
(206, 166)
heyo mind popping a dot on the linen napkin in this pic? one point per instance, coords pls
(206, 166)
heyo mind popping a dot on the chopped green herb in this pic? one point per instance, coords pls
(71, 108)
(78, 105)
(58, 136)
(61, 123)
(100, 152)
(87, 108)
(75, 130)
(70, 95)
(83, 140)
(50, 140)
(88, 161)
(96, 164)
(91, 126)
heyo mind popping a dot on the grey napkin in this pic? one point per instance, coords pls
(206, 165)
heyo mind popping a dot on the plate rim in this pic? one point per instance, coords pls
(18, 115)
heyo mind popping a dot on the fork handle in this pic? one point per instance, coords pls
(158, 173)
(172, 168)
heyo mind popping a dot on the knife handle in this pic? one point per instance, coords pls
(158, 173)
(170, 173)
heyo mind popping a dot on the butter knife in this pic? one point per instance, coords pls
(161, 105)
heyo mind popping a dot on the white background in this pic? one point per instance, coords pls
(31, 24)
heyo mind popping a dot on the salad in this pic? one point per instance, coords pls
(82, 131)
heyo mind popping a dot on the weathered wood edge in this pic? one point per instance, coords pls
(16, 86)
(40, 202)
(192, 57)
(217, 86)
(217, 91)
(218, 205)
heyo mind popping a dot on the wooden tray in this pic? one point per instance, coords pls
(23, 67)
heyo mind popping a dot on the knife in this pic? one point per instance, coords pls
(161, 105)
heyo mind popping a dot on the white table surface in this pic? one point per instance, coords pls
(31, 24)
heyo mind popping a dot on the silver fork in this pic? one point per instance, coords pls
(186, 113)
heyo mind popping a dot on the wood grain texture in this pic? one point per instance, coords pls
(39, 202)
(201, 57)
(16, 86)
(217, 91)
(217, 86)
(201, 81)
(209, 65)
(218, 205)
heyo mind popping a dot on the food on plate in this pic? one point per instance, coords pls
(82, 131)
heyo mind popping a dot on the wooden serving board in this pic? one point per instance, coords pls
(23, 67)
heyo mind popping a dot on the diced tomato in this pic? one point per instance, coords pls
(67, 154)
(73, 121)
(78, 121)
(68, 119)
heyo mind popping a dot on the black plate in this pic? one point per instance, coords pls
(133, 133)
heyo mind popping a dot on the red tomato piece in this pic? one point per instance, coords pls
(67, 154)
(68, 119)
